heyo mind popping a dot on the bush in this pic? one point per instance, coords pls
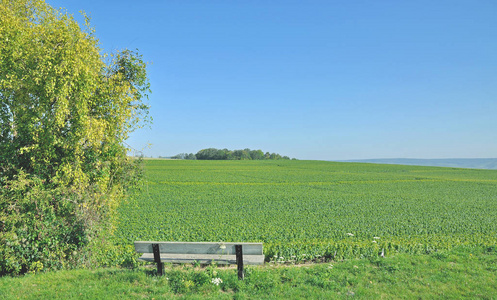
(65, 112)
(39, 227)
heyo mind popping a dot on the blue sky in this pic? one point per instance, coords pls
(327, 80)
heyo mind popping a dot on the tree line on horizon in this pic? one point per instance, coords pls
(225, 154)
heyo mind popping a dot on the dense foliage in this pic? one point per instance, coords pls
(310, 209)
(225, 154)
(65, 110)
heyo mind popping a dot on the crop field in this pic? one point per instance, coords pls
(304, 210)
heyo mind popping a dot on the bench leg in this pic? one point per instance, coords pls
(160, 268)
(239, 261)
(160, 264)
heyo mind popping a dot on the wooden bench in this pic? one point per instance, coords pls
(201, 252)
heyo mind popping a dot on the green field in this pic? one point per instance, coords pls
(436, 227)
(304, 210)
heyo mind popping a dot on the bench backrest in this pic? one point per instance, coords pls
(220, 248)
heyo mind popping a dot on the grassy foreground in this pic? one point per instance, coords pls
(457, 274)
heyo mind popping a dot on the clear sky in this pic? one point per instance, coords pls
(310, 79)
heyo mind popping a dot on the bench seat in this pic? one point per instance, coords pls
(204, 258)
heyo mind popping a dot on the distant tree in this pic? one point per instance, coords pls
(229, 155)
(245, 154)
(179, 156)
(191, 156)
(237, 154)
(256, 154)
(241, 154)
(222, 154)
(207, 154)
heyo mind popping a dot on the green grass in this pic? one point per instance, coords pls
(436, 226)
(454, 274)
(305, 210)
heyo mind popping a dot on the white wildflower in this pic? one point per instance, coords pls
(216, 281)
(374, 241)
(376, 237)
(350, 234)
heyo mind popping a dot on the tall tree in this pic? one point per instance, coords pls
(65, 111)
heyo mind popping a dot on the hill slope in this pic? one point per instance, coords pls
(471, 163)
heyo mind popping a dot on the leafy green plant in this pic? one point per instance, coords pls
(314, 211)
(65, 111)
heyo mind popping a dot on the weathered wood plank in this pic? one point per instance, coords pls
(199, 248)
(204, 258)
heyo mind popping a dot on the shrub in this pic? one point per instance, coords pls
(64, 116)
